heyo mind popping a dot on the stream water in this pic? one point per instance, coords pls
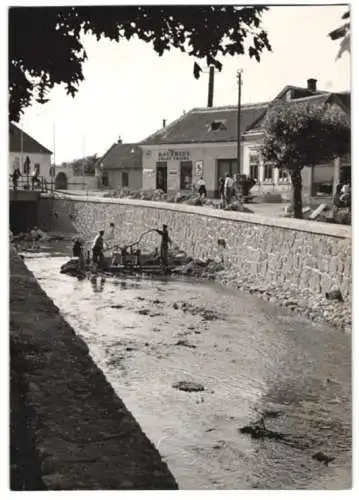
(249, 355)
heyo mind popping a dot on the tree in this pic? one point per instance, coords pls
(342, 33)
(45, 47)
(84, 166)
(298, 135)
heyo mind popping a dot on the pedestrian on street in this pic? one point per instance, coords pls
(221, 191)
(228, 189)
(202, 190)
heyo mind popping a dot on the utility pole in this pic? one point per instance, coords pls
(239, 180)
(53, 173)
(210, 87)
(239, 77)
(22, 150)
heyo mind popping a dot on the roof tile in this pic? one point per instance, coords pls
(121, 156)
(29, 145)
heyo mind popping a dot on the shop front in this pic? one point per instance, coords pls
(179, 168)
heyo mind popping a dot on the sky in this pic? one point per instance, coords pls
(128, 89)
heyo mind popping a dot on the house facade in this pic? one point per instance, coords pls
(203, 142)
(121, 167)
(22, 147)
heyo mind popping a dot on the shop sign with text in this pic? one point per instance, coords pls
(171, 155)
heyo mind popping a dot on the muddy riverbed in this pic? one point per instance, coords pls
(246, 356)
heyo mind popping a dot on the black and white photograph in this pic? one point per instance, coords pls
(180, 247)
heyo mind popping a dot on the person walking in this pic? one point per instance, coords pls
(97, 249)
(221, 191)
(202, 190)
(166, 240)
(228, 189)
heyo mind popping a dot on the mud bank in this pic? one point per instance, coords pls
(77, 433)
(317, 308)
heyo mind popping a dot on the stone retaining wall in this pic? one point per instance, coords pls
(292, 254)
(79, 435)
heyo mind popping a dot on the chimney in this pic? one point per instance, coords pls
(119, 140)
(211, 87)
(312, 84)
(163, 123)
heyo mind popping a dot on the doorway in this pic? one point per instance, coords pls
(161, 175)
(225, 167)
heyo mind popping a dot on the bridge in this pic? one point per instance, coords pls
(24, 201)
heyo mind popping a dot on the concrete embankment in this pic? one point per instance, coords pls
(69, 430)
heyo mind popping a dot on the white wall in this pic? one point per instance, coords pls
(44, 160)
(134, 178)
(78, 182)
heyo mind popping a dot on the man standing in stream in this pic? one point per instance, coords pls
(97, 249)
(166, 240)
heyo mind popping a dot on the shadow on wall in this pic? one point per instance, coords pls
(56, 217)
(23, 215)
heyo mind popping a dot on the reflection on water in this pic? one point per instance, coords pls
(97, 283)
(250, 356)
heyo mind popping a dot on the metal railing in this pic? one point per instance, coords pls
(25, 183)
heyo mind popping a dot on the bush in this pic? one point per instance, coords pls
(236, 207)
(196, 201)
(271, 198)
(342, 216)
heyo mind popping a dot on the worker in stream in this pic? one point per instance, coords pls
(97, 250)
(77, 252)
(166, 240)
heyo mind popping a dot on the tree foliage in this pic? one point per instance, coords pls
(298, 135)
(84, 166)
(45, 45)
(343, 34)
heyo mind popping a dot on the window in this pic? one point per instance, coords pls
(253, 166)
(124, 179)
(282, 175)
(218, 125)
(37, 168)
(268, 172)
(186, 175)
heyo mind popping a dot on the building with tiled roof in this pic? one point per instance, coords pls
(23, 146)
(121, 166)
(203, 142)
(203, 125)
